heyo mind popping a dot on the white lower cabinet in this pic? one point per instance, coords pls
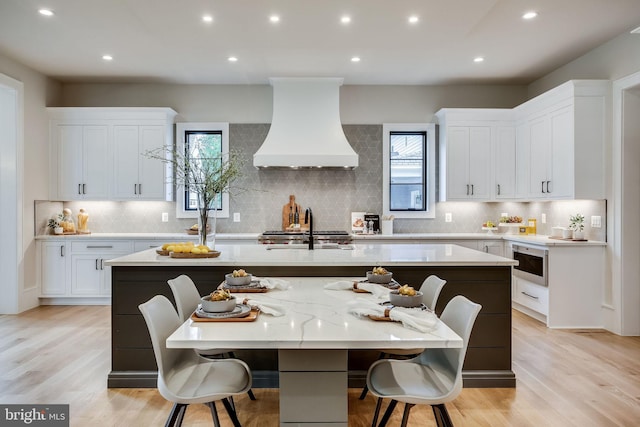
(531, 295)
(54, 265)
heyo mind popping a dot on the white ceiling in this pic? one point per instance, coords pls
(167, 41)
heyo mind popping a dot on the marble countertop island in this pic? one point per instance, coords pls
(388, 255)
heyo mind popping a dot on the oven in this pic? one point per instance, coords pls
(532, 264)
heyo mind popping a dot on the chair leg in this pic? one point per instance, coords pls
(442, 415)
(177, 409)
(214, 414)
(232, 413)
(375, 414)
(181, 416)
(405, 414)
(251, 395)
(387, 413)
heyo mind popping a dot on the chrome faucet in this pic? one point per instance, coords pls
(308, 219)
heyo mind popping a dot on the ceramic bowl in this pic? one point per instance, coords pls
(237, 281)
(379, 278)
(405, 300)
(218, 306)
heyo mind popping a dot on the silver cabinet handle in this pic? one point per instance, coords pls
(62, 251)
(548, 182)
(100, 247)
(528, 295)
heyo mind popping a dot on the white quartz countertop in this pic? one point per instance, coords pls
(547, 241)
(346, 255)
(149, 236)
(314, 318)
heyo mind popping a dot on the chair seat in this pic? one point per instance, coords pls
(412, 382)
(204, 382)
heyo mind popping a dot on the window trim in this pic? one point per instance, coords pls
(181, 128)
(430, 165)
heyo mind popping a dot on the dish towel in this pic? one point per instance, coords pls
(420, 320)
(265, 307)
(271, 283)
(376, 290)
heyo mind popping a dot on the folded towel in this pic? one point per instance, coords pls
(272, 283)
(377, 290)
(420, 320)
(265, 307)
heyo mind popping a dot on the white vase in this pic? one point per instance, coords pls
(578, 234)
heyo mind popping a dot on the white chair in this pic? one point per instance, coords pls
(187, 298)
(184, 377)
(432, 378)
(430, 288)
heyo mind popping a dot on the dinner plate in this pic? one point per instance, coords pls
(241, 310)
(252, 284)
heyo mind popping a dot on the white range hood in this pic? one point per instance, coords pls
(305, 129)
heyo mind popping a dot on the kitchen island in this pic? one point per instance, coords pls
(482, 277)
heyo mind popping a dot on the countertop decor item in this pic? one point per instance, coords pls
(577, 225)
(207, 174)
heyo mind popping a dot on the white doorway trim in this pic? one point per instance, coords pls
(11, 192)
(625, 265)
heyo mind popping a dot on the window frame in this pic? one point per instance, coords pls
(181, 130)
(430, 172)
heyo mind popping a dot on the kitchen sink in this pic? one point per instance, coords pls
(305, 246)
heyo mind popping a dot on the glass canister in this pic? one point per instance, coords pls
(67, 223)
(83, 219)
(532, 226)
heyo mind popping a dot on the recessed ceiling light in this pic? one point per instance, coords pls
(107, 57)
(530, 15)
(274, 18)
(46, 12)
(355, 59)
(413, 19)
(478, 59)
(233, 59)
(207, 18)
(345, 19)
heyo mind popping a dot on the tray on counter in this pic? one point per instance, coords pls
(252, 316)
(210, 254)
(391, 285)
(253, 287)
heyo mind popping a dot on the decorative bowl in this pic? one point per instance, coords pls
(237, 281)
(400, 300)
(379, 278)
(218, 306)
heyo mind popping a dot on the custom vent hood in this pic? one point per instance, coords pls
(305, 129)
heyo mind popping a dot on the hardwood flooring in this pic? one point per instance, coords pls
(56, 354)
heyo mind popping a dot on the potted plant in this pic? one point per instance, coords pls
(54, 224)
(577, 225)
(207, 175)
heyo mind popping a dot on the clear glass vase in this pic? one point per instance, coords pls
(206, 224)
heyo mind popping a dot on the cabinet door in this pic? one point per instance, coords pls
(561, 174)
(505, 182)
(53, 269)
(458, 163)
(96, 167)
(539, 142)
(70, 180)
(152, 177)
(522, 161)
(86, 275)
(492, 247)
(125, 162)
(479, 161)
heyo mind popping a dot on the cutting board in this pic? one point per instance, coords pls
(291, 208)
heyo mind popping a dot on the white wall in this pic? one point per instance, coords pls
(39, 91)
(252, 103)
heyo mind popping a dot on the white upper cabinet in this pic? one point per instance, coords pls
(136, 176)
(81, 153)
(469, 141)
(98, 153)
(562, 134)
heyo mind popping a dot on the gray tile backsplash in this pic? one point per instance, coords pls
(332, 194)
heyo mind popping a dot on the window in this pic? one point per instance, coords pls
(409, 170)
(199, 140)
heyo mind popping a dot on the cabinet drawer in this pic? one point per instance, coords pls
(531, 295)
(102, 246)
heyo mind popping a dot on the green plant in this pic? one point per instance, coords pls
(577, 222)
(55, 221)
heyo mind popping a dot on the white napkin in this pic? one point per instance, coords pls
(420, 320)
(377, 290)
(271, 283)
(265, 307)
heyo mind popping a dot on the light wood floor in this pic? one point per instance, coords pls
(564, 378)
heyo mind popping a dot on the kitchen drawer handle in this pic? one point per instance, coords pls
(528, 295)
(548, 182)
(101, 264)
(542, 182)
(79, 188)
(498, 189)
(100, 247)
(135, 188)
(140, 189)
(62, 251)
(84, 188)
(96, 263)
(472, 189)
